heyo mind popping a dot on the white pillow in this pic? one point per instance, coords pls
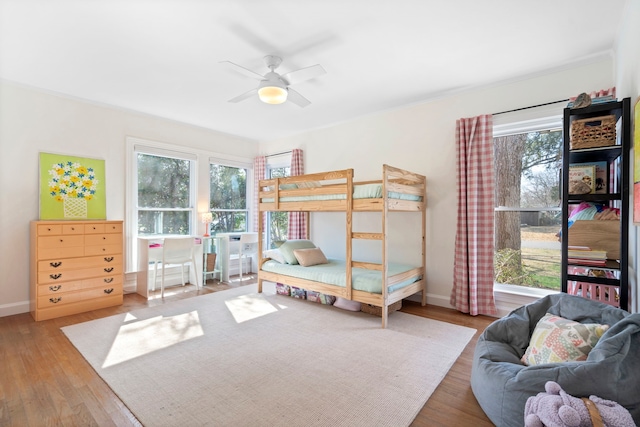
(275, 255)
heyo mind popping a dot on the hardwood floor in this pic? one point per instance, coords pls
(44, 381)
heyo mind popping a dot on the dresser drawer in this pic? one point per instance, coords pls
(80, 285)
(102, 239)
(60, 242)
(82, 273)
(57, 264)
(49, 229)
(74, 297)
(107, 227)
(93, 228)
(72, 229)
(103, 249)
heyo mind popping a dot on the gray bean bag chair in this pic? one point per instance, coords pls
(502, 383)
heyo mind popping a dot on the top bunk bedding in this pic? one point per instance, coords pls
(336, 191)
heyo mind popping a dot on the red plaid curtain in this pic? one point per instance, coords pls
(473, 266)
(297, 220)
(259, 172)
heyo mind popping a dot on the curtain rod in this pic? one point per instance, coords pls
(533, 106)
(280, 154)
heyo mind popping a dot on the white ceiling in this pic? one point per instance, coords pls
(162, 57)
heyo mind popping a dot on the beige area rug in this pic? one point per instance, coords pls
(239, 358)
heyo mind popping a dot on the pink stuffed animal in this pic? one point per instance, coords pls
(556, 408)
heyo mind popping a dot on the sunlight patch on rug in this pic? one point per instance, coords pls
(139, 337)
(248, 307)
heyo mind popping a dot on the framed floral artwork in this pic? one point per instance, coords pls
(72, 188)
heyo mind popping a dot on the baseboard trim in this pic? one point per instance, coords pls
(14, 308)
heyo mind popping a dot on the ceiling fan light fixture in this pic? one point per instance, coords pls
(272, 94)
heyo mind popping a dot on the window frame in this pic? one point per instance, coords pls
(524, 121)
(277, 161)
(249, 186)
(200, 187)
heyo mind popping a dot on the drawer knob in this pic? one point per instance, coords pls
(54, 288)
(108, 280)
(55, 300)
(55, 264)
(108, 269)
(55, 276)
(108, 291)
(108, 258)
(104, 238)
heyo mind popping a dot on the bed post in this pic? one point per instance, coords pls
(424, 241)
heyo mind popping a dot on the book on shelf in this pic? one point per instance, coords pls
(600, 181)
(582, 179)
(585, 252)
(587, 261)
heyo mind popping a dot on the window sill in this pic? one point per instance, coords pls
(510, 297)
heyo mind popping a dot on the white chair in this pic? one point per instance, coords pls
(247, 239)
(177, 250)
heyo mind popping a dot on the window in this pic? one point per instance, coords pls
(527, 212)
(164, 194)
(277, 222)
(228, 198)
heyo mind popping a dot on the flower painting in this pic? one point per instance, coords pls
(71, 188)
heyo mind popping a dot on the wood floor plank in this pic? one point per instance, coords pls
(45, 381)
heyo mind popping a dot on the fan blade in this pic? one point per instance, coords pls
(244, 95)
(297, 99)
(303, 74)
(240, 69)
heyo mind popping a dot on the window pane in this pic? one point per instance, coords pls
(528, 217)
(278, 222)
(163, 182)
(228, 199)
(164, 222)
(228, 187)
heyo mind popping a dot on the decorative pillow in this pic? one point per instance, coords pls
(309, 257)
(346, 304)
(556, 339)
(289, 246)
(275, 255)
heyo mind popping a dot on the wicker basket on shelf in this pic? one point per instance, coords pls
(593, 132)
(377, 311)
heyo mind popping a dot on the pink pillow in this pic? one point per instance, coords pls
(309, 257)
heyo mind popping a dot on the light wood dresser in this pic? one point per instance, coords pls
(76, 266)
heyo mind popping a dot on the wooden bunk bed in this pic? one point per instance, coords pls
(398, 191)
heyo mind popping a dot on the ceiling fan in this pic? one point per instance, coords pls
(275, 88)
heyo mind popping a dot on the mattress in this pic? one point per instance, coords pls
(334, 273)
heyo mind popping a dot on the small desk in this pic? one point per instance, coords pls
(148, 250)
(227, 243)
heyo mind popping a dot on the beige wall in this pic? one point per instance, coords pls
(32, 121)
(421, 138)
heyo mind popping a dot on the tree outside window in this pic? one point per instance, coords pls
(528, 213)
(277, 222)
(228, 199)
(164, 195)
